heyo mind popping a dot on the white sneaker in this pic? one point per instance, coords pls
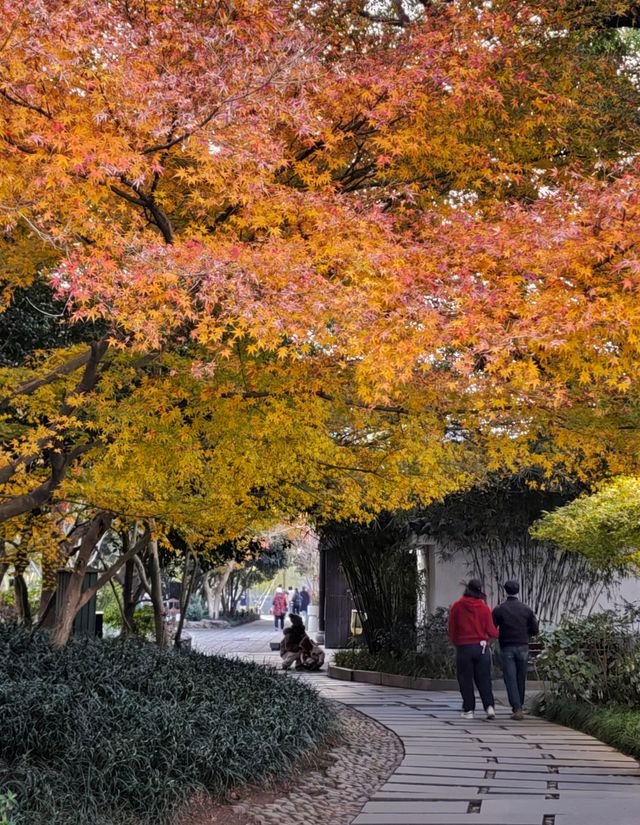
(491, 712)
(467, 714)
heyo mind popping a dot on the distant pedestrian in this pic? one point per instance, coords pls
(279, 607)
(471, 630)
(296, 602)
(305, 600)
(516, 624)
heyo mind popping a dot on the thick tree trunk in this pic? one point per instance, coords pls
(73, 596)
(208, 595)
(214, 590)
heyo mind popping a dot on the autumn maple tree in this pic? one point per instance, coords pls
(337, 259)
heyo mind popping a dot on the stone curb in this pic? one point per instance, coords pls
(376, 677)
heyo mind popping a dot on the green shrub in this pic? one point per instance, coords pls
(7, 804)
(616, 725)
(594, 659)
(238, 617)
(433, 660)
(120, 732)
(143, 615)
(195, 609)
(108, 604)
(144, 620)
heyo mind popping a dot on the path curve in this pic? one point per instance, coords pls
(457, 772)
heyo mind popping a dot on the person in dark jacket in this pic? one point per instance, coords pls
(305, 599)
(471, 629)
(296, 602)
(290, 642)
(516, 624)
(297, 648)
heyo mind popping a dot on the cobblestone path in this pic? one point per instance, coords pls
(456, 772)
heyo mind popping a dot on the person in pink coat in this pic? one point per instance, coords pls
(279, 607)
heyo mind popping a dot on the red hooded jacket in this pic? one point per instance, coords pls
(470, 622)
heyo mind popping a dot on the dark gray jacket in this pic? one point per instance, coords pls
(515, 621)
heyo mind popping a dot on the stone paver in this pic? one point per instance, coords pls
(458, 772)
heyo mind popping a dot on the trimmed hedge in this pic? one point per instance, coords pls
(119, 732)
(617, 725)
(397, 654)
(409, 663)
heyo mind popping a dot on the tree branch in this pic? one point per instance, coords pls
(111, 571)
(25, 104)
(29, 387)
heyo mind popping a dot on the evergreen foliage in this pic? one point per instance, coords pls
(121, 732)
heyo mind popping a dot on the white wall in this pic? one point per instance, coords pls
(447, 577)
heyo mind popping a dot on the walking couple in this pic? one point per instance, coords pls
(472, 628)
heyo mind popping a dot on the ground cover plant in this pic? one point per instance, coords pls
(120, 732)
(617, 725)
(594, 659)
(425, 651)
(593, 668)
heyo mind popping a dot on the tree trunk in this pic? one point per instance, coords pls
(208, 594)
(22, 599)
(187, 587)
(50, 566)
(129, 599)
(157, 600)
(73, 595)
(214, 591)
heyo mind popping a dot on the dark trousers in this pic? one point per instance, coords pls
(279, 619)
(515, 662)
(474, 667)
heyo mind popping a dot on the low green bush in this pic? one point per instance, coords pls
(616, 725)
(409, 663)
(7, 804)
(120, 732)
(238, 617)
(107, 602)
(594, 659)
(195, 609)
(435, 658)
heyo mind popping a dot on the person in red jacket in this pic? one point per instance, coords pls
(471, 629)
(279, 607)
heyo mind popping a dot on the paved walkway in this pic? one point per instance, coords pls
(457, 772)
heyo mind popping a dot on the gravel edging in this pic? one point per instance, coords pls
(332, 792)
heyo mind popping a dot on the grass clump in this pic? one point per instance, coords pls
(119, 732)
(617, 725)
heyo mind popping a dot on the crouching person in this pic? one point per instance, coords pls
(297, 648)
(291, 640)
(311, 655)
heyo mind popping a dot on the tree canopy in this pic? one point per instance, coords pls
(335, 259)
(604, 526)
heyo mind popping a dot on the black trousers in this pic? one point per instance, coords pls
(279, 619)
(474, 668)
